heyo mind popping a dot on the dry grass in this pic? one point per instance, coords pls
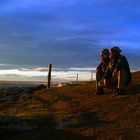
(81, 113)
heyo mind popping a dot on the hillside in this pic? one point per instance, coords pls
(71, 112)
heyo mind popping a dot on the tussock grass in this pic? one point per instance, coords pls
(75, 112)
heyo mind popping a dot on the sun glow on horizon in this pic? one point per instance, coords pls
(40, 74)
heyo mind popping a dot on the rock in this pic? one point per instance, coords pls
(40, 87)
(12, 123)
(9, 98)
(63, 124)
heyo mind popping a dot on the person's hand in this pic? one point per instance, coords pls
(101, 83)
(115, 74)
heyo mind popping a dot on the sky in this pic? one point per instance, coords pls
(67, 34)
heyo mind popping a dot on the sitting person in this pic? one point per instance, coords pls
(117, 75)
(101, 69)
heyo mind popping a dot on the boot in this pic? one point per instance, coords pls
(100, 91)
(119, 92)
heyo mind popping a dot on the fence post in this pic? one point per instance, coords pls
(91, 76)
(49, 75)
(77, 79)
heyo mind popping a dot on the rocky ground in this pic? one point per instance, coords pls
(70, 112)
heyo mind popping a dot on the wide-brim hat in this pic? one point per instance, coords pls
(115, 49)
(105, 51)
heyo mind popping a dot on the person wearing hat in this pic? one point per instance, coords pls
(101, 69)
(117, 75)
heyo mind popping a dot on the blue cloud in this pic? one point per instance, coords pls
(66, 33)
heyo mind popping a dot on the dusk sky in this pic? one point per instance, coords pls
(68, 34)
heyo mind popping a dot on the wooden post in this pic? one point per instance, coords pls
(77, 79)
(49, 76)
(91, 76)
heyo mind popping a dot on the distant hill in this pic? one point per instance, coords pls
(75, 112)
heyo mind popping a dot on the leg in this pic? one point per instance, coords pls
(122, 81)
(99, 89)
(110, 83)
(99, 75)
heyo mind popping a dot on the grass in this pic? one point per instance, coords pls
(75, 112)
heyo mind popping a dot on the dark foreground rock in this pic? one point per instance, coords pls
(14, 124)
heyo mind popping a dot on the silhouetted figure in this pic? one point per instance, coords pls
(117, 75)
(101, 69)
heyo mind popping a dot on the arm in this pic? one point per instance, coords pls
(99, 67)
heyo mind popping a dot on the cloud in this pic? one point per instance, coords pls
(51, 5)
(45, 69)
(65, 33)
(40, 74)
(13, 5)
(29, 3)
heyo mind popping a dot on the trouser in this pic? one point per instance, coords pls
(99, 75)
(124, 78)
(119, 81)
